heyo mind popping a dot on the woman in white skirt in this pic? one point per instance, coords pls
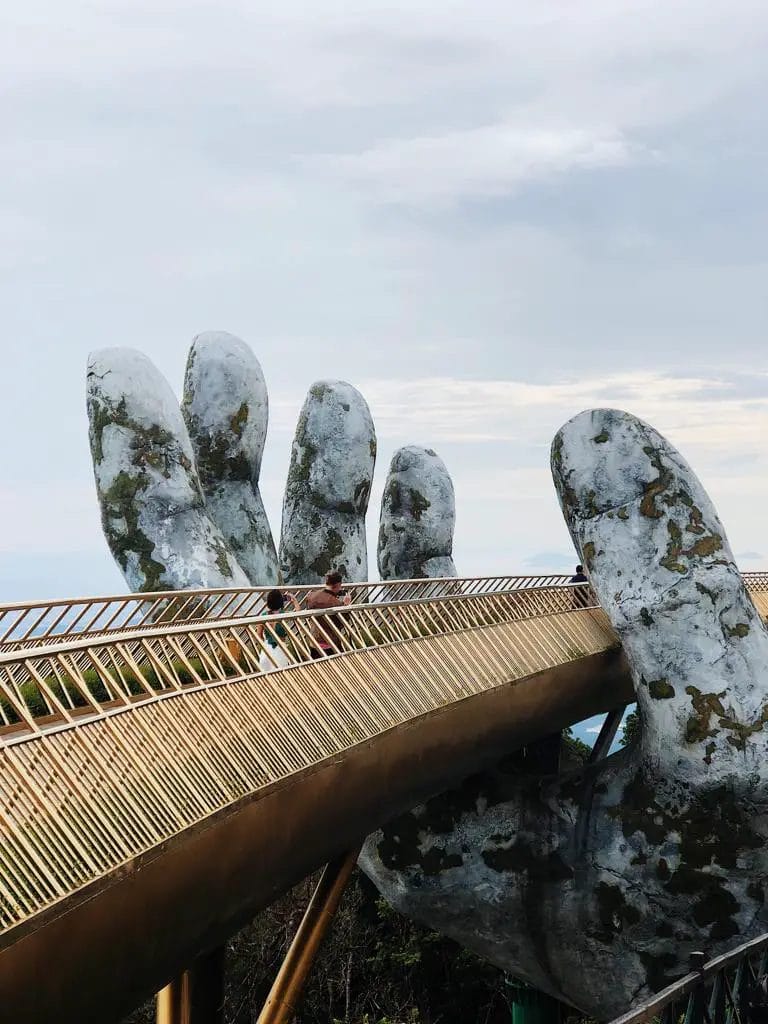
(273, 656)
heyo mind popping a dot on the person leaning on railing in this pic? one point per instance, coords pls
(273, 656)
(329, 597)
(583, 595)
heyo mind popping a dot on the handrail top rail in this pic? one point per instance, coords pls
(89, 640)
(153, 595)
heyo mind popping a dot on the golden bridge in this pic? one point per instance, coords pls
(158, 788)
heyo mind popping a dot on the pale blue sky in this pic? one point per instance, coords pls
(487, 216)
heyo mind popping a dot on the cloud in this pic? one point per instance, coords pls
(307, 176)
(703, 412)
(556, 561)
(477, 163)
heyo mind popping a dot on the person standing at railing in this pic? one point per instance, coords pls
(273, 656)
(582, 596)
(330, 596)
(579, 576)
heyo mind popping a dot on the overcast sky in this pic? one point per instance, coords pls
(487, 216)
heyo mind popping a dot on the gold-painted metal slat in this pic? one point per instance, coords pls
(194, 733)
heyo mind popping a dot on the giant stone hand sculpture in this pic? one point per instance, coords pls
(152, 505)
(418, 514)
(226, 411)
(179, 491)
(596, 887)
(329, 481)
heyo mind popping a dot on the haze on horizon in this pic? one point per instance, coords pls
(486, 219)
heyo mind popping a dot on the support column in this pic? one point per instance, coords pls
(283, 999)
(607, 735)
(197, 995)
(529, 1006)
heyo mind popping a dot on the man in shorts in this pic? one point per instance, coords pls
(329, 597)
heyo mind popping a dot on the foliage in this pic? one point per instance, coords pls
(631, 727)
(577, 748)
(376, 967)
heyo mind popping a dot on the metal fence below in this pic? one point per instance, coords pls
(731, 989)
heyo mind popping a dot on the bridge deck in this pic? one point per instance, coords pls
(157, 789)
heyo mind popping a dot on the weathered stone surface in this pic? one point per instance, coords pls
(418, 515)
(152, 507)
(226, 410)
(329, 483)
(596, 886)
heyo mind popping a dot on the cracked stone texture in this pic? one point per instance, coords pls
(152, 506)
(596, 886)
(328, 486)
(418, 516)
(226, 410)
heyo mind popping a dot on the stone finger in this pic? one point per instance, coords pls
(418, 516)
(226, 410)
(329, 483)
(152, 506)
(660, 563)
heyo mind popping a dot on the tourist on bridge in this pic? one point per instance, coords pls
(582, 596)
(274, 656)
(330, 596)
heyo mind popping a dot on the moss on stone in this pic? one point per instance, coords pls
(705, 705)
(222, 557)
(419, 504)
(588, 554)
(400, 848)
(393, 496)
(614, 912)
(327, 559)
(660, 689)
(521, 856)
(119, 503)
(215, 461)
(699, 725)
(704, 547)
(740, 630)
(706, 591)
(238, 421)
(301, 467)
(656, 487)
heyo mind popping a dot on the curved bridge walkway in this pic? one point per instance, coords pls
(132, 724)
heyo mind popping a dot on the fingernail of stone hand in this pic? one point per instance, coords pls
(152, 506)
(418, 515)
(226, 410)
(329, 483)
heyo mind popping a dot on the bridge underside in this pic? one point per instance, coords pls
(98, 957)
